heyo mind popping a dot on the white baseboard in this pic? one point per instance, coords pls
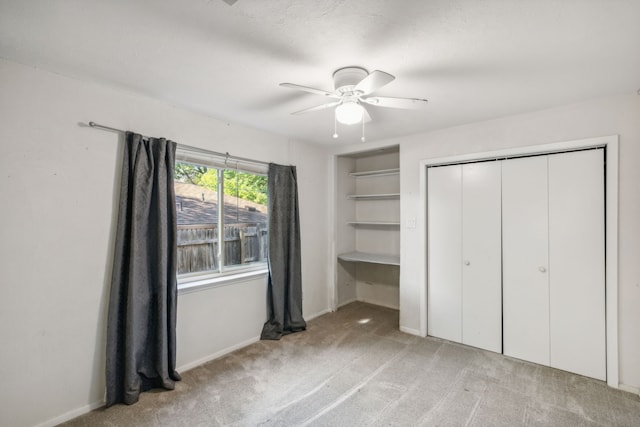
(313, 316)
(629, 388)
(410, 331)
(71, 414)
(380, 303)
(217, 354)
(95, 405)
(235, 347)
(342, 304)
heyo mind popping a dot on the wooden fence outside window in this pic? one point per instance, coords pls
(198, 245)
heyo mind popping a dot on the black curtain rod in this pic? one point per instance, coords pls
(188, 147)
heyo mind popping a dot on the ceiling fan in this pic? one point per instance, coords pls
(352, 89)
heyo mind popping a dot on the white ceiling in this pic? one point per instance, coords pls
(474, 60)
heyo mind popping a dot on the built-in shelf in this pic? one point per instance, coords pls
(367, 217)
(373, 196)
(381, 172)
(371, 258)
(375, 223)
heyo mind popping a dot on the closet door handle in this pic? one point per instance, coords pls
(467, 262)
(542, 269)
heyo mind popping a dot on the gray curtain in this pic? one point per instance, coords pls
(141, 337)
(284, 288)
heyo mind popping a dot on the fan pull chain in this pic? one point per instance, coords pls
(362, 139)
(335, 125)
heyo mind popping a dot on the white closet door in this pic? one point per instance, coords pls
(576, 254)
(525, 259)
(481, 256)
(444, 186)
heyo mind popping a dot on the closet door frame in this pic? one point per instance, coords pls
(610, 143)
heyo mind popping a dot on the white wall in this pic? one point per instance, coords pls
(611, 116)
(58, 185)
(345, 234)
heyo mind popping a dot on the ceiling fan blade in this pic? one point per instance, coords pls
(365, 113)
(374, 81)
(385, 101)
(310, 90)
(317, 108)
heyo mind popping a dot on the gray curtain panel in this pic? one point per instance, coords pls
(141, 336)
(284, 288)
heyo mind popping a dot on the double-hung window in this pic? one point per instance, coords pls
(221, 207)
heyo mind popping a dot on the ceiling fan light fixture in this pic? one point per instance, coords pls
(349, 112)
(352, 89)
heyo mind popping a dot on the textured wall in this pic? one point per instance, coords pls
(610, 116)
(58, 187)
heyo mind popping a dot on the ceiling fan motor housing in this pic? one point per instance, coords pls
(346, 78)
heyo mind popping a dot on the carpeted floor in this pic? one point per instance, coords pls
(355, 368)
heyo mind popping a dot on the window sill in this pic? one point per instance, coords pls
(187, 286)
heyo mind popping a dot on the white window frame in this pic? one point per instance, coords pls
(226, 275)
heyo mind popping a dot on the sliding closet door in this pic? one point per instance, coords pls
(464, 247)
(576, 254)
(444, 212)
(481, 256)
(525, 259)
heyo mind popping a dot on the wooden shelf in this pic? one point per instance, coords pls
(373, 196)
(370, 258)
(381, 172)
(376, 223)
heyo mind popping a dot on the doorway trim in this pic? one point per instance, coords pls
(610, 143)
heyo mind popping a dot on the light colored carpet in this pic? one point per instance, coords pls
(355, 368)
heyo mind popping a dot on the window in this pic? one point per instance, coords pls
(221, 215)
